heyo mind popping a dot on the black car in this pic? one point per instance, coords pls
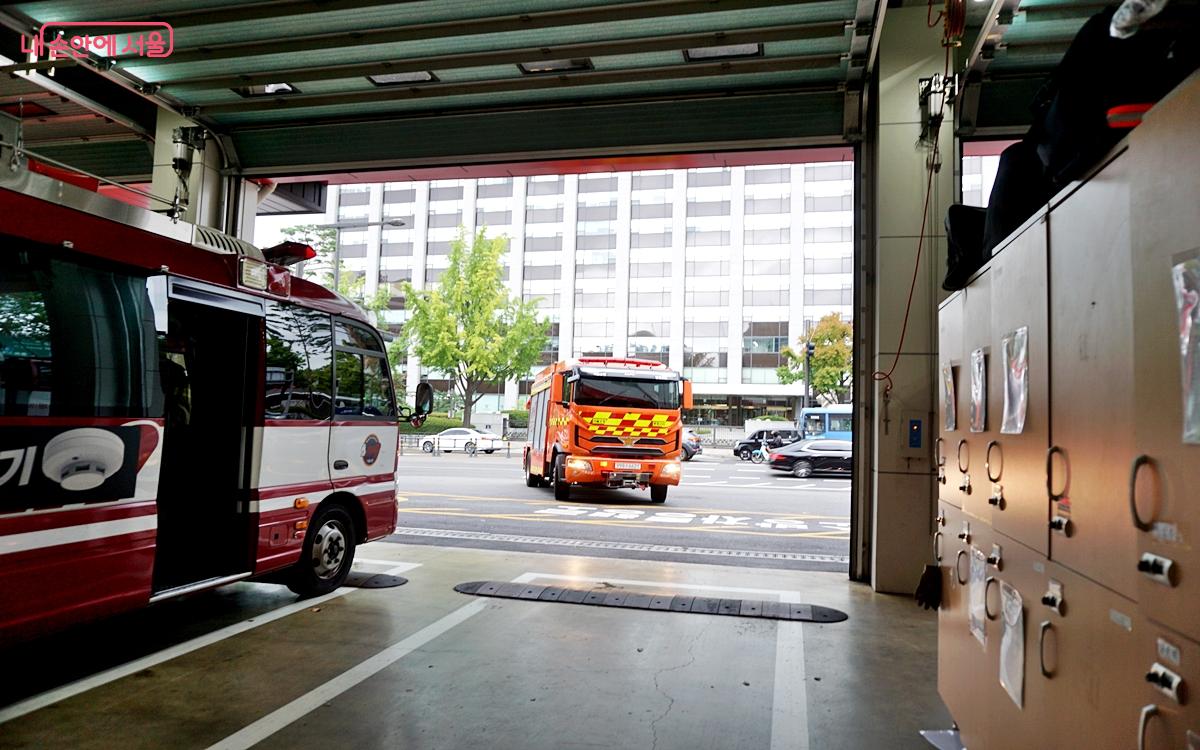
(775, 439)
(808, 457)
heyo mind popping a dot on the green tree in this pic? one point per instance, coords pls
(832, 365)
(469, 326)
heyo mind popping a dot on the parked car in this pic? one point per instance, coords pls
(691, 444)
(462, 439)
(808, 457)
(774, 438)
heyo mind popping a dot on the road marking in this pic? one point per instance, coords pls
(625, 546)
(743, 530)
(283, 716)
(526, 501)
(50, 697)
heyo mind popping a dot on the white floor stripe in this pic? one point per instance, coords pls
(50, 697)
(315, 698)
(789, 708)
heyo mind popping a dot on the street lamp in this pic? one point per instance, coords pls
(337, 242)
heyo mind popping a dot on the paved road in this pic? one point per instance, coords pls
(725, 512)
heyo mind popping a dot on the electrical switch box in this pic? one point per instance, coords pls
(914, 435)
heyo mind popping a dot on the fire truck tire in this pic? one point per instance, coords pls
(531, 479)
(327, 555)
(562, 490)
(427, 446)
(658, 493)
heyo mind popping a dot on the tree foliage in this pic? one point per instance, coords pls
(469, 326)
(832, 364)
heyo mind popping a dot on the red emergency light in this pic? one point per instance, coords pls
(289, 253)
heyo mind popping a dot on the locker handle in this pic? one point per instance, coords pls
(962, 442)
(1054, 496)
(937, 551)
(957, 567)
(1147, 712)
(1138, 463)
(1046, 625)
(986, 584)
(937, 451)
(987, 461)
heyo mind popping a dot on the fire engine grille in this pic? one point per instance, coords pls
(609, 596)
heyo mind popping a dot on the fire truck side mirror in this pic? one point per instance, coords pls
(556, 388)
(423, 404)
(686, 402)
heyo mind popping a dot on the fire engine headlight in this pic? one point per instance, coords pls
(579, 464)
(670, 470)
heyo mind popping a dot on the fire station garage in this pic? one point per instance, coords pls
(220, 493)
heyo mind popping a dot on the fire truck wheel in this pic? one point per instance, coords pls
(531, 479)
(658, 493)
(327, 555)
(427, 446)
(562, 490)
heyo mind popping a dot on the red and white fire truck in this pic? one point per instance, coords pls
(177, 411)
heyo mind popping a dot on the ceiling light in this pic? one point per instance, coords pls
(725, 52)
(556, 66)
(268, 89)
(393, 79)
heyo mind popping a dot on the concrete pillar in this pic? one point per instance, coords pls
(516, 272)
(205, 186)
(420, 237)
(902, 483)
(678, 266)
(566, 309)
(624, 214)
(737, 236)
(374, 240)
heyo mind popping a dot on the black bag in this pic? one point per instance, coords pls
(1020, 189)
(1098, 72)
(964, 245)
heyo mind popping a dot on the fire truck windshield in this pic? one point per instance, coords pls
(633, 393)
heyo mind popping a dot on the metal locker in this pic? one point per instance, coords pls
(950, 338)
(1164, 165)
(980, 449)
(1085, 652)
(1018, 301)
(961, 660)
(1009, 726)
(1167, 713)
(1091, 383)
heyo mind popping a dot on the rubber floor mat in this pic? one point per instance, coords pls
(608, 596)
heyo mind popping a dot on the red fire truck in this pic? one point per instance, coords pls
(606, 422)
(177, 412)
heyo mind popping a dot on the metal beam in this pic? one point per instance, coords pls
(39, 65)
(991, 34)
(623, 12)
(252, 12)
(529, 82)
(868, 17)
(49, 84)
(512, 56)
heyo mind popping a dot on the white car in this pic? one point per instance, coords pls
(462, 439)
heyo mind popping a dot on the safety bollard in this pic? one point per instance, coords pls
(508, 449)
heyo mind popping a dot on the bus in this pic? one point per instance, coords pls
(835, 422)
(606, 422)
(177, 412)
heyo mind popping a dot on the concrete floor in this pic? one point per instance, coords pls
(421, 666)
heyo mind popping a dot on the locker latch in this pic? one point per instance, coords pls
(1053, 598)
(997, 497)
(965, 484)
(965, 534)
(1061, 524)
(1167, 682)
(994, 558)
(940, 520)
(941, 474)
(1157, 568)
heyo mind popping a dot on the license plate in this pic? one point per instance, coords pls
(628, 465)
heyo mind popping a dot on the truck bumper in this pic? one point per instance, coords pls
(610, 472)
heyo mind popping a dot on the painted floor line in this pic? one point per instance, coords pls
(287, 714)
(50, 697)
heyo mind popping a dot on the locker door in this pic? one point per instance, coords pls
(1019, 301)
(977, 334)
(961, 658)
(1164, 156)
(950, 340)
(1013, 727)
(1170, 666)
(1090, 651)
(1091, 384)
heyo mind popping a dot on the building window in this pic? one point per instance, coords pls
(653, 180)
(707, 268)
(773, 236)
(650, 270)
(828, 172)
(762, 175)
(706, 299)
(708, 177)
(545, 185)
(597, 184)
(494, 187)
(829, 234)
(649, 299)
(708, 208)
